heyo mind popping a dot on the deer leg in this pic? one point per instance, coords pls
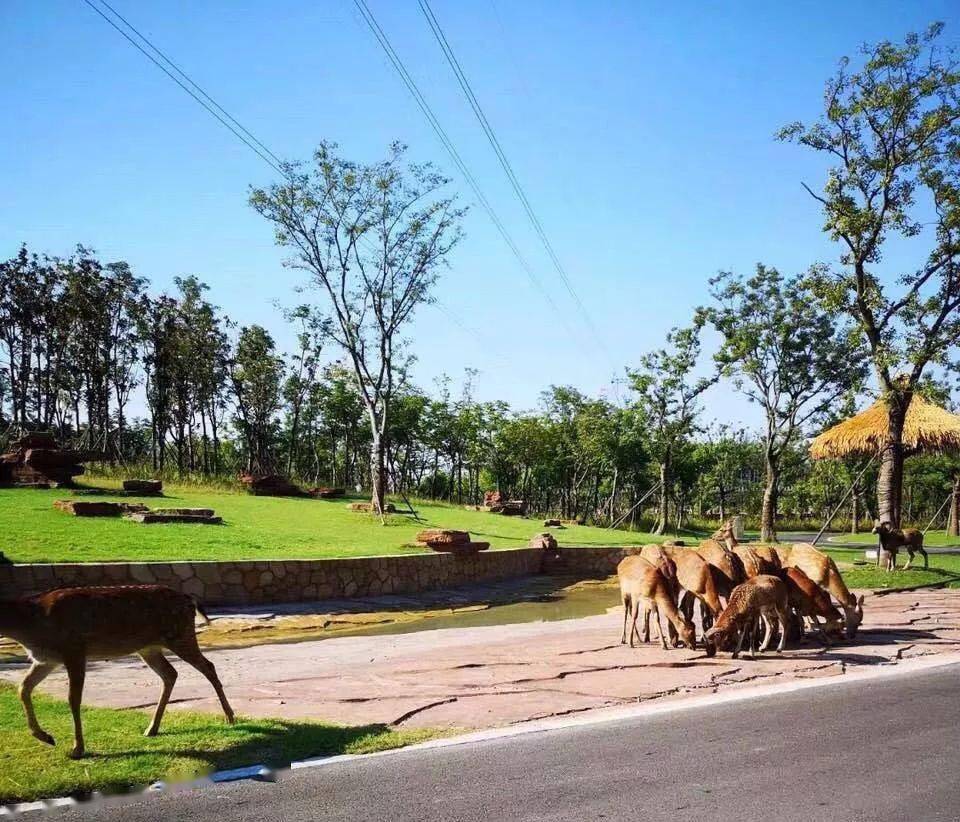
(655, 613)
(909, 560)
(38, 672)
(626, 620)
(767, 632)
(77, 674)
(741, 634)
(157, 663)
(634, 616)
(645, 636)
(783, 616)
(189, 652)
(817, 628)
(926, 559)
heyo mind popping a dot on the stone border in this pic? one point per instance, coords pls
(249, 582)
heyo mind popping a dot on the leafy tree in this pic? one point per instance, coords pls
(668, 393)
(373, 238)
(303, 374)
(891, 130)
(255, 374)
(725, 458)
(787, 354)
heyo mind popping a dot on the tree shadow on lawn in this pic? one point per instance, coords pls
(274, 742)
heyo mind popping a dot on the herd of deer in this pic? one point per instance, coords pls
(761, 586)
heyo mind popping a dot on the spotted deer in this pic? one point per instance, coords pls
(763, 599)
(70, 626)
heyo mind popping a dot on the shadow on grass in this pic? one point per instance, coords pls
(275, 743)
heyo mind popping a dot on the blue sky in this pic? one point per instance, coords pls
(641, 132)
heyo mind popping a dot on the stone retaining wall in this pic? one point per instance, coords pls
(249, 582)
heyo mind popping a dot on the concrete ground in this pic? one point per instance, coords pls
(858, 751)
(484, 677)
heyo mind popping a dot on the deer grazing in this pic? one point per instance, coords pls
(763, 598)
(893, 539)
(754, 563)
(810, 601)
(694, 576)
(70, 626)
(643, 585)
(728, 571)
(823, 571)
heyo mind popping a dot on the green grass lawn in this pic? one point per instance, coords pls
(189, 745)
(943, 568)
(935, 539)
(254, 528)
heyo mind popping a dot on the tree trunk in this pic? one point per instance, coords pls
(768, 513)
(377, 473)
(890, 480)
(855, 510)
(663, 514)
(954, 528)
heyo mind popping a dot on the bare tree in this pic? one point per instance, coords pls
(373, 238)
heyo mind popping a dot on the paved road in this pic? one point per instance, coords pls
(808, 756)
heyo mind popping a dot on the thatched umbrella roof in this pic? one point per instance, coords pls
(928, 427)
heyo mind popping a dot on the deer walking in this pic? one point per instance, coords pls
(893, 539)
(70, 626)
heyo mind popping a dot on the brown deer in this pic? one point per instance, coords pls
(725, 535)
(755, 562)
(642, 585)
(810, 601)
(762, 598)
(729, 570)
(771, 555)
(823, 571)
(694, 576)
(893, 539)
(69, 626)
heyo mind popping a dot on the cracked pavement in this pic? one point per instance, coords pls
(485, 677)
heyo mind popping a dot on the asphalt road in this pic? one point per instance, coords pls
(885, 750)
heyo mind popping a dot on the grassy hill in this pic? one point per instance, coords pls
(253, 528)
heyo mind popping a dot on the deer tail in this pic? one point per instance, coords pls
(200, 610)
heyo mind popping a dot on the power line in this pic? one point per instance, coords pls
(267, 156)
(447, 143)
(187, 78)
(221, 114)
(467, 89)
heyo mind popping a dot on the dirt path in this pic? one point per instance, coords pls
(490, 676)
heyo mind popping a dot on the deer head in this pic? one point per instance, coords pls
(853, 615)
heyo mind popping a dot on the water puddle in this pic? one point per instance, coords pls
(539, 599)
(535, 599)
